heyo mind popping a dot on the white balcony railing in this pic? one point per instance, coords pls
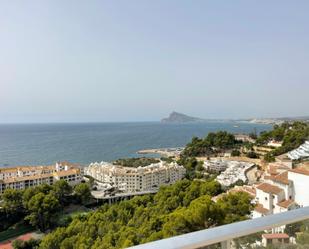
(225, 234)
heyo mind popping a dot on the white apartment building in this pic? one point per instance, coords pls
(216, 165)
(300, 153)
(30, 176)
(235, 170)
(130, 179)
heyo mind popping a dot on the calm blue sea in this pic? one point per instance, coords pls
(31, 144)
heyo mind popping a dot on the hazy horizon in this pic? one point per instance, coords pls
(132, 61)
(147, 121)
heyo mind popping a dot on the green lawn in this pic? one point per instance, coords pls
(15, 231)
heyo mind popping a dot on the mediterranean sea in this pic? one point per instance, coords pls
(40, 144)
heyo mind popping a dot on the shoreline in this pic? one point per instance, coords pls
(167, 152)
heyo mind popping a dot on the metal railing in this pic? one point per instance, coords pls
(224, 234)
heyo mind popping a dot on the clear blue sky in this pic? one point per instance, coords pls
(139, 60)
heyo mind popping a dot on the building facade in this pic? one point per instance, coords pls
(302, 152)
(30, 176)
(130, 179)
(281, 191)
(300, 181)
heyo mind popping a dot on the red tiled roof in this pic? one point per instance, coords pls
(285, 203)
(300, 171)
(268, 188)
(275, 236)
(281, 178)
(272, 170)
(260, 209)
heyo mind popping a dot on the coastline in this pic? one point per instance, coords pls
(166, 152)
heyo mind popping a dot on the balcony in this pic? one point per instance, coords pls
(225, 237)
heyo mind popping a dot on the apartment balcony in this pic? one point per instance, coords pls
(228, 236)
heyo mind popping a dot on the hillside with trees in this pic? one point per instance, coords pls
(40, 206)
(183, 207)
(213, 142)
(292, 136)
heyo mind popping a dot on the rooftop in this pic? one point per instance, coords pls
(300, 171)
(275, 236)
(26, 168)
(260, 209)
(280, 178)
(25, 178)
(286, 203)
(109, 168)
(67, 172)
(268, 188)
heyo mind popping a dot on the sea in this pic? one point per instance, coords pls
(43, 144)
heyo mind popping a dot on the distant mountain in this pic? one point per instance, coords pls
(176, 117)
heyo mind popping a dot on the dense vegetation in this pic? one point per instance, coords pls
(183, 207)
(194, 168)
(30, 244)
(291, 134)
(40, 205)
(213, 142)
(136, 162)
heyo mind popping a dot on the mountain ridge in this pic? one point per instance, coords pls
(177, 117)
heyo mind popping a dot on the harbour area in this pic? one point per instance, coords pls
(166, 152)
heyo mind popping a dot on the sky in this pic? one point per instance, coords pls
(139, 60)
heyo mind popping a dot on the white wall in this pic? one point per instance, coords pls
(301, 188)
(264, 198)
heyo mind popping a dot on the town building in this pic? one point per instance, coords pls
(274, 143)
(275, 239)
(215, 165)
(302, 152)
(244, 138)
(235, 171)
(30, 176)
(275, 194)
(128, 179)
(300, 179)
(281, 190)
